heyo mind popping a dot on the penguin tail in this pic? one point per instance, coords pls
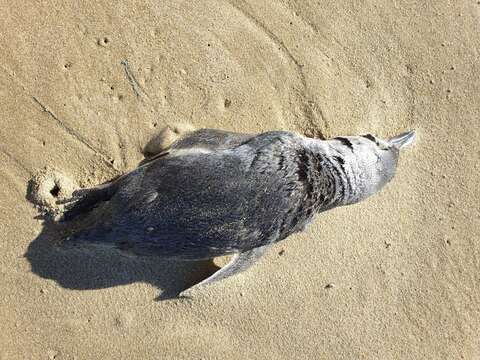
(85, 200)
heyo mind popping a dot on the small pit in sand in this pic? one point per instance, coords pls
(49, 186)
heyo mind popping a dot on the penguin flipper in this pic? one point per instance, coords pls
(239, 263)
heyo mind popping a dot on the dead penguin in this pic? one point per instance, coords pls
(214, 193)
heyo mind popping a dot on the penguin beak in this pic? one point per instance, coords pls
(402, 140)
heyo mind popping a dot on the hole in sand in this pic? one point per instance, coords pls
(55, 190)
(46, 187)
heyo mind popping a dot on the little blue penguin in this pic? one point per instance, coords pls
(213, 193)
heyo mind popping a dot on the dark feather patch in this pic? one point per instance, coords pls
(345, 142)
(370, 137)
(339, 160)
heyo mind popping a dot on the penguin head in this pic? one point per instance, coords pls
(373, 161)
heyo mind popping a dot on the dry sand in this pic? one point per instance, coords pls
(405, 263)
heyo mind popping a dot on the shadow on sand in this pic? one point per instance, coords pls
(98, 268)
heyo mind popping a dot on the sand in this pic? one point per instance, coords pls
(84, 86)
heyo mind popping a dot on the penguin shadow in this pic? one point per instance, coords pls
(99, 268)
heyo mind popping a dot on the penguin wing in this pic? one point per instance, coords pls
(238, 264)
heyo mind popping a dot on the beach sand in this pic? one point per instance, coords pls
(85, 85)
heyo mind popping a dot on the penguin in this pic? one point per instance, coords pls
(213, 193)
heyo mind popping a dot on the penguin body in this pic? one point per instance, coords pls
(214, 193)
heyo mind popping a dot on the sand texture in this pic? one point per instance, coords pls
(85, 85)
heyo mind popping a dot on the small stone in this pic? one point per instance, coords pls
(281, 252)
(183, 128)
(160, 142)
(330, 286)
